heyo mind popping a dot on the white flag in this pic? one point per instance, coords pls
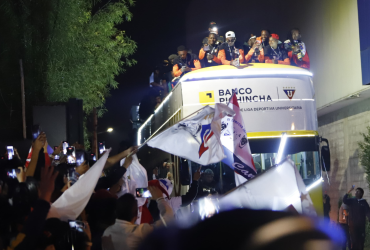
(135, 177)
(277, 189)
(196, 138)
(70, 205)
(236, 145)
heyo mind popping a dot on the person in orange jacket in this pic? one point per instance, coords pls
(208, 53)
(297, 52)
(231, 52)
(264, 38)
(256, 53)
(274, 53)
(185, 62)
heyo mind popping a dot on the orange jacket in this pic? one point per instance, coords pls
(261, 56)
(305, 63)
(177, 71)
(222, 57)
(202, 53)
(285, 62)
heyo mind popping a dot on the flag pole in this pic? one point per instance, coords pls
(166, 130)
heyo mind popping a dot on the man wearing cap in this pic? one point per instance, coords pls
(185, 62)
(274, 53)
(231, 52)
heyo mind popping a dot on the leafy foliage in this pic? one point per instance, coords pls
(85, 63)
(69, 48)
(364, 153)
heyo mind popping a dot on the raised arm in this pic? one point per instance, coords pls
(346, 200)
(37, 145)
(116, 158)
(193, 190)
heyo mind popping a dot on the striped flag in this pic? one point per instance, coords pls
(236, 145)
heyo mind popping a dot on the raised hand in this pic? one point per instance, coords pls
(197, 174)
(47, 183)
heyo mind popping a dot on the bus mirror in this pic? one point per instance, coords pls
(325, 156)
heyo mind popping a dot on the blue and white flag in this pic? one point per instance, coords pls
(236, 145)
(196, 138)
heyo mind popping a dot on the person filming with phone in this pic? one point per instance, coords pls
(185, 62)
(208, 53)
(359, 210)
(231, 52)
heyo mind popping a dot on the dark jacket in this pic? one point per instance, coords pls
(227, 53)
(203, 57)
(33, 228)
(359, 209)
(279, 53)
(192, 61)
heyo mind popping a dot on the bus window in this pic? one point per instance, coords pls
(307, 163)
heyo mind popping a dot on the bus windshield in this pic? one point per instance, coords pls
(303, 151)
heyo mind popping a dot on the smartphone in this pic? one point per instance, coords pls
(101, 147)
(56, 157)
(71, 155)
(92, 157)
(36, 131)
(143, 193)
(13, 173)
(65, 146)
(10, 151)
(80, 157)
(77, 224)
(353, 186)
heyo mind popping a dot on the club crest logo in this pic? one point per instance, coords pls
(205, 135)
(289, 91)
(243, 142)
(223, 126)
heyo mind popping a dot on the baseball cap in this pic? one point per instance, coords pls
(173, 56)
(230, 34)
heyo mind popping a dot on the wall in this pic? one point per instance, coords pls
(342, 128)
(329, 28)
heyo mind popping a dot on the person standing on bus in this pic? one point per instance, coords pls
(231, 52)
(274, 53)
(208, 53)
(264, 38)
(185, 63)
(256, 53)
(359, 210)
(249, 44)
(297, 52)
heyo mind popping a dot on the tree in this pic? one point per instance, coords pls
(70, 49)
(364, 153)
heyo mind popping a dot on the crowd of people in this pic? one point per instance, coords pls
(218, 50)
(111, 219)
(116, 219)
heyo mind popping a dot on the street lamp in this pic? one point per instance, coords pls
(110, 130)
